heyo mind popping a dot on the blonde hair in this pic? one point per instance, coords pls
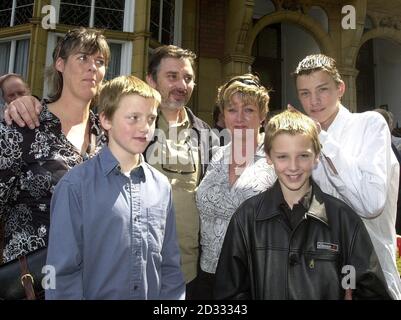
(248, 86)
(112, 92)
(291, 122)
(318, 62)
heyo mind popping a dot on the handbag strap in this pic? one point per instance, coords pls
(26, 279)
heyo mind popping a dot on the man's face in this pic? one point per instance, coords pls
(175, 82)
(14, 88)
(293, 158)
(320, 96)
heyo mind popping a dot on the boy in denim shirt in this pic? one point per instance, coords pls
(112, 233)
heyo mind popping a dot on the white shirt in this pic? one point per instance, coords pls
(217, 200)
(359, 147)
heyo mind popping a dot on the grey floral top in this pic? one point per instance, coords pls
(217, 200)
(31, 164)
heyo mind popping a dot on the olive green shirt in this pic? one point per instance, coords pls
(179, 161)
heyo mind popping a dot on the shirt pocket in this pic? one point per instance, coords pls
(323, 264)
(320, 258)
(156, 228)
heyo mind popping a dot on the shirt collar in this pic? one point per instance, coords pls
(340, 119)
(274, 198)
(163, 124)
(109, 163)
(305, 201)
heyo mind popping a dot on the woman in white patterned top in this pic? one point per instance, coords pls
(237, 171)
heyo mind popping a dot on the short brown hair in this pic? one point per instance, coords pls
(250, 89)
(82, 39)
(169, 51)
(115, 89)
(291, 122)
(318, 62)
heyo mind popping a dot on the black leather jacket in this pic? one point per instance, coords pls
(262, 258)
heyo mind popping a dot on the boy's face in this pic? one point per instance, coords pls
(320, 96)
(293, 159)
(132, 126)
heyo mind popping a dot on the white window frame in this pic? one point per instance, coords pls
(177, 22)
(13, 48)
(129, 14)
(13, 7)
(126, 56)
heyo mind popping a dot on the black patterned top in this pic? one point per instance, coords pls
(31, 164)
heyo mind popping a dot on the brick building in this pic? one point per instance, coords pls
(229, 36)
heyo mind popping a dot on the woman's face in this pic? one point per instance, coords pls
(242, 119)
(82, 74)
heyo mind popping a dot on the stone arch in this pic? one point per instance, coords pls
(381, 32)
(297, 18)
(320, 10)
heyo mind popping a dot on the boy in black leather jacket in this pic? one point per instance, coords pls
(293, 241)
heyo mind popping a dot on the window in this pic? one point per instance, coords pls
(165, 21)
(15, 12)
(117, 15)
(102, 14)
(14, 56)
(113, 70)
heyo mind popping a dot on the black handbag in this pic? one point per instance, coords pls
(22, 278)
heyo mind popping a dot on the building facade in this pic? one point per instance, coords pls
(229, 36)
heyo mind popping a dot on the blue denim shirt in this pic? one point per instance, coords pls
(113, 236)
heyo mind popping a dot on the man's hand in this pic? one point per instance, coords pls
(348, 294)
(23, 111)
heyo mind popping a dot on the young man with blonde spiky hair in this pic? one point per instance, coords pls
(357, 164)
(293, 241)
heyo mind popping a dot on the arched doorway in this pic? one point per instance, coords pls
(378, 82)
(277, 50)
(365, 81)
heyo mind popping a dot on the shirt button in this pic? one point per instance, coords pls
(135, 287)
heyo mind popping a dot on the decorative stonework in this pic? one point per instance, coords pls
(246, 25)
(390, 22)
(292, 5)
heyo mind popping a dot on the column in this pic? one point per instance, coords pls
(349, 75)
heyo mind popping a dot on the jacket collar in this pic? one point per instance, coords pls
(270, 206)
